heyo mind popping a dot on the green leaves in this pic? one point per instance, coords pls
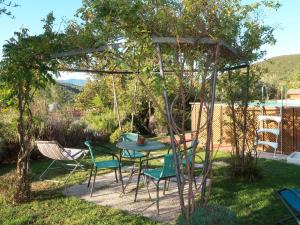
(5, 7)
(25, 59)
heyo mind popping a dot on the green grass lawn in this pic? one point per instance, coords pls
(49, 206)
(253, 202)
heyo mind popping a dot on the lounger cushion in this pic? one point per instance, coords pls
(291, 198)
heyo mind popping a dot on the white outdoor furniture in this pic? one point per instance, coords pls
(294, 158)
(53, 150)
(273, 131)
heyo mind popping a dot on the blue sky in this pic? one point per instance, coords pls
(29, 15)
(31, 12)
(288, 33)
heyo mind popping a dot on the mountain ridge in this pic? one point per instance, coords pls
(77, 82)
(281, 70)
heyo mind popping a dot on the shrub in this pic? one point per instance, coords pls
(8, 125)
(117, 133)
(8, 187)
(249, 170)
(103, 122)
(76, 133)
(210, 215)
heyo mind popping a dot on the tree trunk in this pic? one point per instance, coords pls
(23, 190)
(245, 115)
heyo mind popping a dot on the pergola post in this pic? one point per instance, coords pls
(170, 128)
(209, 125)
(133, 103)
(116, 105)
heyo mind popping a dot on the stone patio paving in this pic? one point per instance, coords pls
(108, 193)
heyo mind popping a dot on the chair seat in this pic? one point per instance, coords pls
(290, 196)
(132, 154)
(74, 153)
(153, 173)
(107, 164)
(184, 162)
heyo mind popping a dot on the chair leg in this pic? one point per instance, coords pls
(46, 169)
(168, 184)
(138, 182)
(147, 185)
(157, 197)
(165, 185)
(116, 175)
(129, 178)
(286, 219)
(74, 169)
(92, 167)
(121, 179)
(195, 182)
(94, 182)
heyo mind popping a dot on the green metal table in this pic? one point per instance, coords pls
(148, 147)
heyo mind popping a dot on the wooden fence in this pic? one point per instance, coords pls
(289, 139)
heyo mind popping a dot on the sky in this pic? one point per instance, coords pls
(30, 13)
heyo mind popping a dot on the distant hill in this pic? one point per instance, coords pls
(78, 82)
(62, 93)
(75, 89)
(281, 70)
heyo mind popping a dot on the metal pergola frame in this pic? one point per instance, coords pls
(219, 46)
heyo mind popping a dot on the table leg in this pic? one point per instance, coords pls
(138, 181)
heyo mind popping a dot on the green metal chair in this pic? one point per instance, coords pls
(190, 154)
(113, 164)
(291, 200)
(131, 155)
(156, 175)
(127, 153)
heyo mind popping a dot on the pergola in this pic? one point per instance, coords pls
(218, 47)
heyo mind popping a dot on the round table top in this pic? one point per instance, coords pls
(148, 146)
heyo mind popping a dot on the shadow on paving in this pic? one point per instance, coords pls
(109, 193)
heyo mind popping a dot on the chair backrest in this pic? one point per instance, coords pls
(130, 137)
(192, 148)
(52, 150)
(126, 137)
(169, 168)
(89, 145)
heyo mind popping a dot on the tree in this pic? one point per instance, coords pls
(26, 67)
(4, 5)
(241, 88)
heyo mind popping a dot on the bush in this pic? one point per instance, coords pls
(105, 121)
(244, 169)
(210, 215)
(68, 131)
(117, 133)
(8, 187)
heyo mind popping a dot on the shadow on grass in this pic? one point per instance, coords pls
(256, 202)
